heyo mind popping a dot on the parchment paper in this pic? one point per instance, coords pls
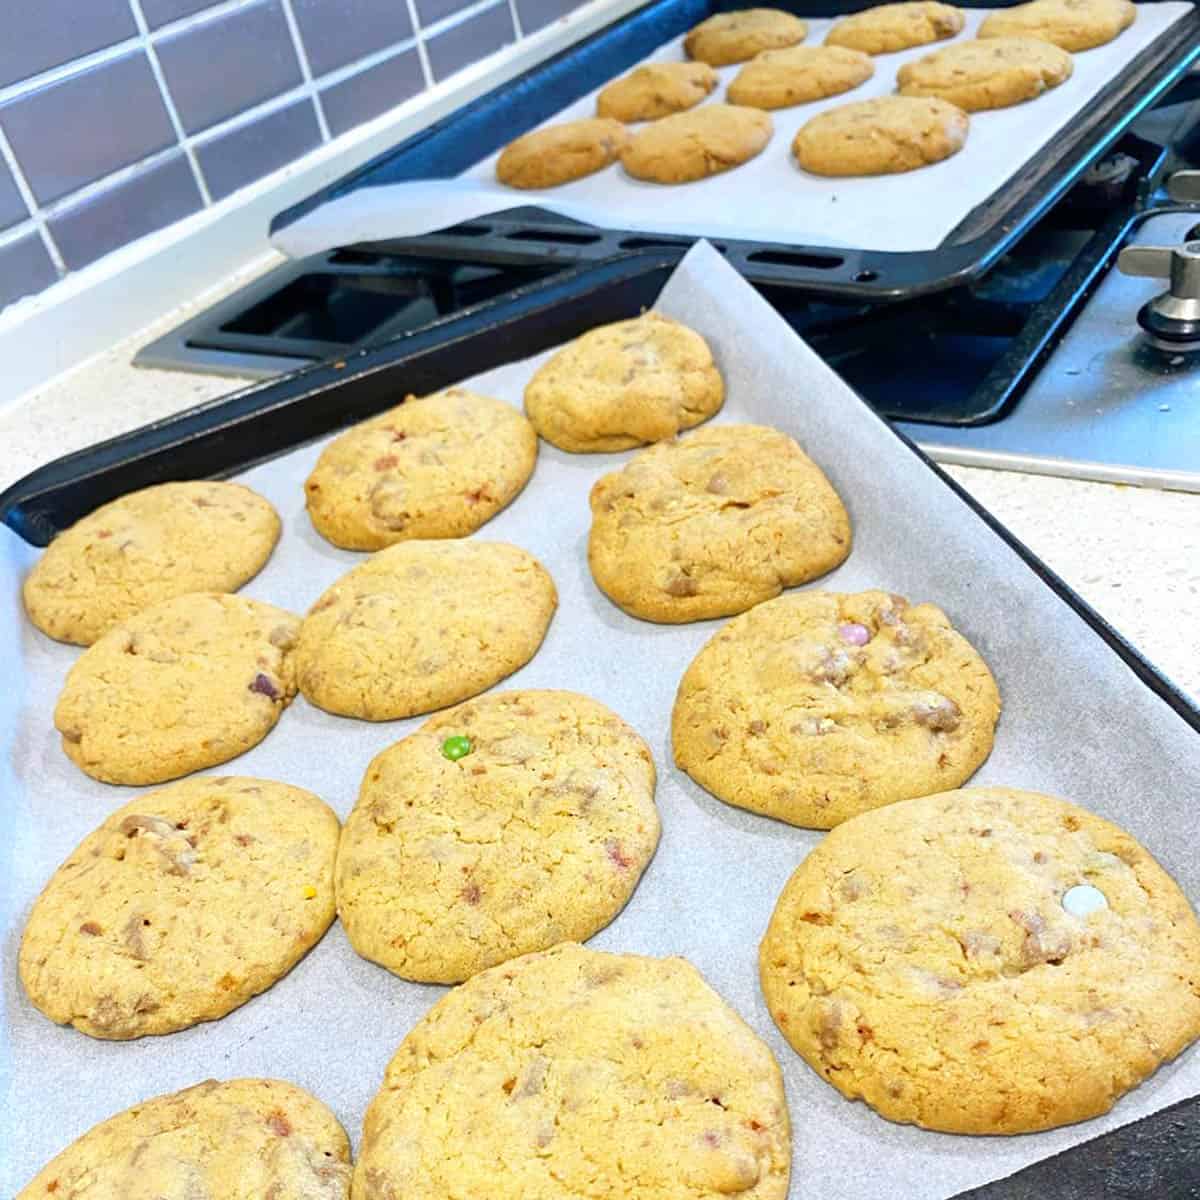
(768, 199)
(1076, 722)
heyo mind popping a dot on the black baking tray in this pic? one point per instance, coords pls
(1156, 1157)
(530, 236)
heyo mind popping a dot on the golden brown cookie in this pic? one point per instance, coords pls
(983, 961)
(559, 154)
(422, 625)
(1071, 24)
(656, 90)
(781, 78)
(623, 385)
(577, 1073)
(246, 1137)
(713, 523)
(435, 467)
(881, 137)
(146, 547)
(506, 825)
(887, 28)
(182, 905)
(693, 145)
(735, 37)
(817, 706)
(181, 686)
(987, 74)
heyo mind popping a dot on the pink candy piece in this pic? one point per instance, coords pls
(854, 634)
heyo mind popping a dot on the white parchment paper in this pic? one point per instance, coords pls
(1076, 722)
(768, 199)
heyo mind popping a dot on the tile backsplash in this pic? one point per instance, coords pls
(120, 117)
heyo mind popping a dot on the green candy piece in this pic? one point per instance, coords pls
(456, 747)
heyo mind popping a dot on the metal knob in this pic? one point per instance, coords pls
(1172, 319)
(1184, 187)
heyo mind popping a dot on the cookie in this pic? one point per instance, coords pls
(937, 960)
(887, 28)
(1070, 24)
(781, 78)
(987, 74)
(577, 1073)
(735, 37)
(694, 145)
(181, 906)
(623, 385)
(146, 547)
(881, 137)
(506, 825)
(422, 625)
(245, 1137)
(817, 706)
(435, 467)
(712, 524)
(559, 154)
(184, 685)
(656, 90)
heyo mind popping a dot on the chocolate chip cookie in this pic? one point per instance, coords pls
(656, 90)
(781, 78)
(992, 73)
(983, 961)
(1073, 25)
(735, 37)
(558, 154)
(694, 145)
(817, 706)
(887, 28)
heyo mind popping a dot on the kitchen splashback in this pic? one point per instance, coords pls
(119, 117)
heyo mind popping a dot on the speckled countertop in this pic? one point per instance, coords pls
(1132, 553)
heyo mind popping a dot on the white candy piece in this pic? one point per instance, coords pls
(1083, 899)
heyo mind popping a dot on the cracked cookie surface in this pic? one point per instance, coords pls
(577, 1073)
(734, 37)
(623, 385)
(885, 136)
(422, 625)
(713, 523)
(921, 959)
(781, 78)
(817, 706)
(992, 73)
(1071, 24)
(152, 545)
(437, 466)
(559, 154)
(181, 906)
(244, 1137)
(537, 835)
(656, 90)
(887, 28)
(181, 686)
(694, 145)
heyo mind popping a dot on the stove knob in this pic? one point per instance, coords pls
(1184, 187)
(1172, 319)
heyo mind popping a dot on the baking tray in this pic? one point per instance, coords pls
(1131, 753)
(527, 235)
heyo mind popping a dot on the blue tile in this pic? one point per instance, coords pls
(229, 64)
(537, 14)
(147, 201)
(429, 11)
(12, 207)
(243, 155)
(470, 41)
(159, 12)
(40, 34)
(79, 130)
(371, 92)
(337, 32)
(25, 268)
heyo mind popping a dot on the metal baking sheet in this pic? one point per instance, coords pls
(1077, 722)
(767, 199)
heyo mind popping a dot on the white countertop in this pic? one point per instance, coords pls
(1133, 554)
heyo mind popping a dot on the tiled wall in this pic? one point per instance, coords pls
(118, 117)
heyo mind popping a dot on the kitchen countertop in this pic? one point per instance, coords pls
(1132, 553)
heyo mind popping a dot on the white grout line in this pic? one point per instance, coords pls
(375, 59)
(305, 68)
(462, 16)
(135, 6)
(35, 213)
(422, 53)
(14, 233)
(516, 19)
(112, 180)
